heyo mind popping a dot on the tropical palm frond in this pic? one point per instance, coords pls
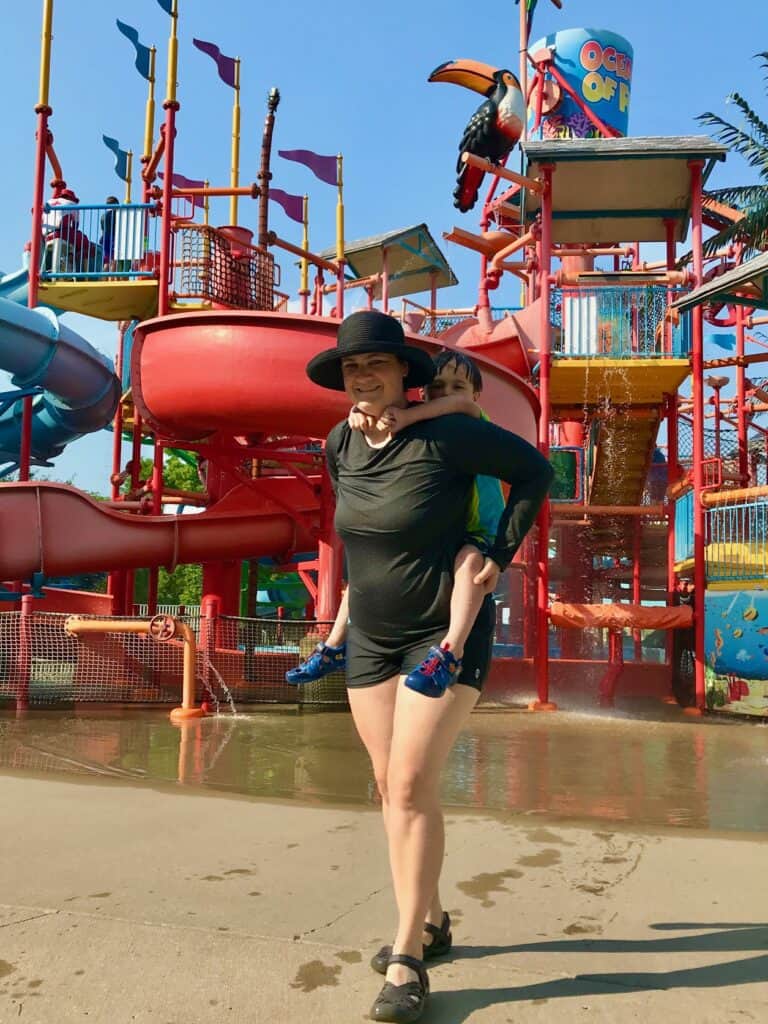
(751, 230)
(739, 196)
(758, 126)
(739, 141)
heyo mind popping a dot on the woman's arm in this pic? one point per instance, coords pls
(480, 448)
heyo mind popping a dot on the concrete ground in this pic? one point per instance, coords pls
(121, 904)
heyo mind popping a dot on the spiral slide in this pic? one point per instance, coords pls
(196, 375)
(81, 389)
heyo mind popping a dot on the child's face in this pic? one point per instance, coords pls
(452, 380)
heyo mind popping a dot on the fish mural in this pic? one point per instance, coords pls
(736, 644)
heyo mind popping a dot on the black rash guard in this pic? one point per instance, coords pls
(401, 511)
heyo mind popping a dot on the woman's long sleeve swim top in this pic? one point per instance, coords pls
(401, 511)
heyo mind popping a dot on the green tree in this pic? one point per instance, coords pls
(749, 140)
(185, 584)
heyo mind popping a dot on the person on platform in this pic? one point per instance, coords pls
(401, 512)
(455, 388)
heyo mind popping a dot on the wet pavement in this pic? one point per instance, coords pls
(649, 767)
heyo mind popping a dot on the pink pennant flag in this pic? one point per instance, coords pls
(226, 65)
(323, 167)
(293, 205)
(180, 182)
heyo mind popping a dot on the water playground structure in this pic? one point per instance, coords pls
(646, 574)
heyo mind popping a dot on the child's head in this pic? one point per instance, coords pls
(455, 374)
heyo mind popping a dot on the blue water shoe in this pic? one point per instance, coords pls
(439, 670)
(321, 662)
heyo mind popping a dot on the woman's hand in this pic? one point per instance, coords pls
(358, 420)
(488, 576)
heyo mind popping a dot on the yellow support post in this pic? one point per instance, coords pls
(128, 176)
(45, 54)
(149, 119)
(235, 169)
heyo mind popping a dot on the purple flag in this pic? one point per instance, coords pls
(226, 65)
(180, 182)
(323, 167)
(293, 205)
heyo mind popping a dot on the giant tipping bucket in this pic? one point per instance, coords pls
(597, 65)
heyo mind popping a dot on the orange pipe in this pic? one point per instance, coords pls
(75, 626)
(359, 282)
(519, 243)
(150, 171)
(305, 254)
(532, 184)
(672, 277)
(736, 496)
(617, 250)
(609, 510)
(54, 162)
(246, 190)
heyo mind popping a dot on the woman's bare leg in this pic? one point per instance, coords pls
(424, 733)
(373, 711)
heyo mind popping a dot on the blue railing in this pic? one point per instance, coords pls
(100, 242)
(617, 323)
(737, 541)
(684, 527)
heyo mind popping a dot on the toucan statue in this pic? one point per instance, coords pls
(495, 126)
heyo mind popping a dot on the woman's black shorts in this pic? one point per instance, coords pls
(372, 660)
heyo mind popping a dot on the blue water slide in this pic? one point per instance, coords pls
(80, 390)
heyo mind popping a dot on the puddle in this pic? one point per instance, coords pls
(609, 770)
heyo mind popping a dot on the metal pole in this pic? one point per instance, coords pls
(697, 361)
(545, 368)
(741, 402)
(43, 111)
(265, 175)
(234, 177)
(170, 106)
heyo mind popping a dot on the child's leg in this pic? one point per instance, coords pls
(466, 599)
(338, 634)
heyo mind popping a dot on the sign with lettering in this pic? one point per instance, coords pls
(597, 67)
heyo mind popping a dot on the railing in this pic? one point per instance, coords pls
(434, 322)
(737, 546)
(210, 266)
(617, 323)
(684, 527)
(100, 242)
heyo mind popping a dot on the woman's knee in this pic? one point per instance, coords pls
(411, 790)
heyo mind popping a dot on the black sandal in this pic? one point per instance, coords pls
(440, 945)
(402, 1004)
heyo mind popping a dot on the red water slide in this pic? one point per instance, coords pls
(213, 375)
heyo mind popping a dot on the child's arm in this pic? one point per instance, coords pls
(396, 419)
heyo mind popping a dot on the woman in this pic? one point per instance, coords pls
(401, 511)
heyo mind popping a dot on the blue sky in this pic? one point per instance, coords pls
(352, 79)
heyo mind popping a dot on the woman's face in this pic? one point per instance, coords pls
(374, 380)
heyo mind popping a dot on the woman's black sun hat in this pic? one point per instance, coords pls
(369, 331)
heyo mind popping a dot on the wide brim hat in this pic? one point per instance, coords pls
(369, 331)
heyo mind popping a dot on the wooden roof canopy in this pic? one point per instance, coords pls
(617, 190)
(413, 257)
(746, 285)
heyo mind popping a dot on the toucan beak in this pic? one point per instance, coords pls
(472, 74)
